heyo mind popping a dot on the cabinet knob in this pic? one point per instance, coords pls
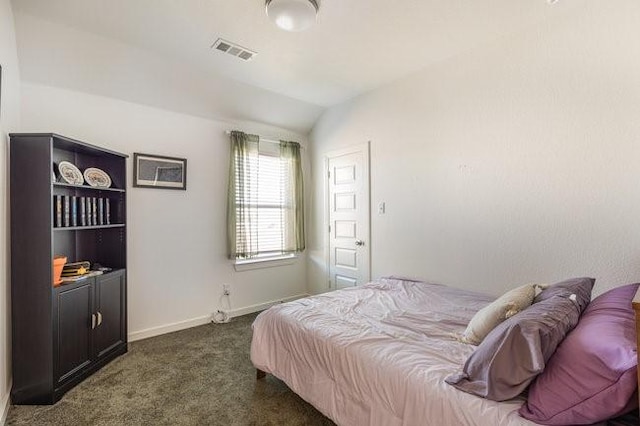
(99, 318)
(93, 321)
(359, 242)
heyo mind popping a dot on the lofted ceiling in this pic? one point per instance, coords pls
(356, 45)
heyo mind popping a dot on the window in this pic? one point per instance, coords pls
(265, 206)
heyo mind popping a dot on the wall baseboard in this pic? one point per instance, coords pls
(168, 328)
(262, 306)
(194, 322)
(6, 403)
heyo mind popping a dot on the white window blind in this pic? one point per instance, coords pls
(265, 198)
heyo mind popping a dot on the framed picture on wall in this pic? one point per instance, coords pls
(156, 171)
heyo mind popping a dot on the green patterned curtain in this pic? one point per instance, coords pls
(241, 238)
(294, 238)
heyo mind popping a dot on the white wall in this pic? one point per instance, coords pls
(9, 122)
(176, 239)
(514, 163)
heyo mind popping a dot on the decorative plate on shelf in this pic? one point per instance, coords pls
(70, 173)
(97, 177)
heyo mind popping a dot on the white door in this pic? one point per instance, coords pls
(348, 193)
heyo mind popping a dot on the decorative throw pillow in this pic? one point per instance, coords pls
(593, 374)
(487, 318)
(517, 350)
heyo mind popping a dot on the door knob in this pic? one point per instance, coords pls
(359, 242)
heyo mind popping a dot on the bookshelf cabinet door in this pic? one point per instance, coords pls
(74, 332)
(111, 331)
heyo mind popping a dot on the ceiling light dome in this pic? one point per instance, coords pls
(292, 15)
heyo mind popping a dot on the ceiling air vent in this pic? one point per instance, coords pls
(233, 49)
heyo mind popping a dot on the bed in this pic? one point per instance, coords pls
(379, 354)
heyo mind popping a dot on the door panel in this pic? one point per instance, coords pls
(344, 282)
(74, 309)
(345, 202)
(346, 258)
(348, 194)
(345, 174)
(110, 331)
(345, 229)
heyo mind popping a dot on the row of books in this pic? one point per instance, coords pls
(70, 210)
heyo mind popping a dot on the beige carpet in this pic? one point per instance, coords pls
(200, 376)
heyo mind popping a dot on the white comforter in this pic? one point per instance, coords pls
(378, 354)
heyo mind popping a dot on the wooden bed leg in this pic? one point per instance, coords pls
(260, 374)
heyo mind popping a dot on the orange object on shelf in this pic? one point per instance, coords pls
(58, 264)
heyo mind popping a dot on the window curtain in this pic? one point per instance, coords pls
(265, 198)
(294, 237)
(243, 182)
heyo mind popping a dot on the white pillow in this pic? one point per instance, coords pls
(509, 304)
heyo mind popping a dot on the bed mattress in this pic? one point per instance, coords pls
(378, 355)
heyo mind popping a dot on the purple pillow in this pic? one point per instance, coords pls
(517, 350)
(581, 287)
(593, 374)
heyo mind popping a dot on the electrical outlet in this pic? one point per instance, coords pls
(226, 289)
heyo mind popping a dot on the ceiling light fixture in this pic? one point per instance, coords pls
(292, 15)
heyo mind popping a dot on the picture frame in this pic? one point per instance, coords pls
(159, 171)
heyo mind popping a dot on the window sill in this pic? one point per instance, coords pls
(270, 262)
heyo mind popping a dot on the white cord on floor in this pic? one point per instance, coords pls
(222, 316)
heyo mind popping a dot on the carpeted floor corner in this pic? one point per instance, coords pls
(199, 376)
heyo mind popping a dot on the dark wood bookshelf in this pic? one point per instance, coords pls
(90, 188)
(72, 145)
(84, 228)
(61, 335)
